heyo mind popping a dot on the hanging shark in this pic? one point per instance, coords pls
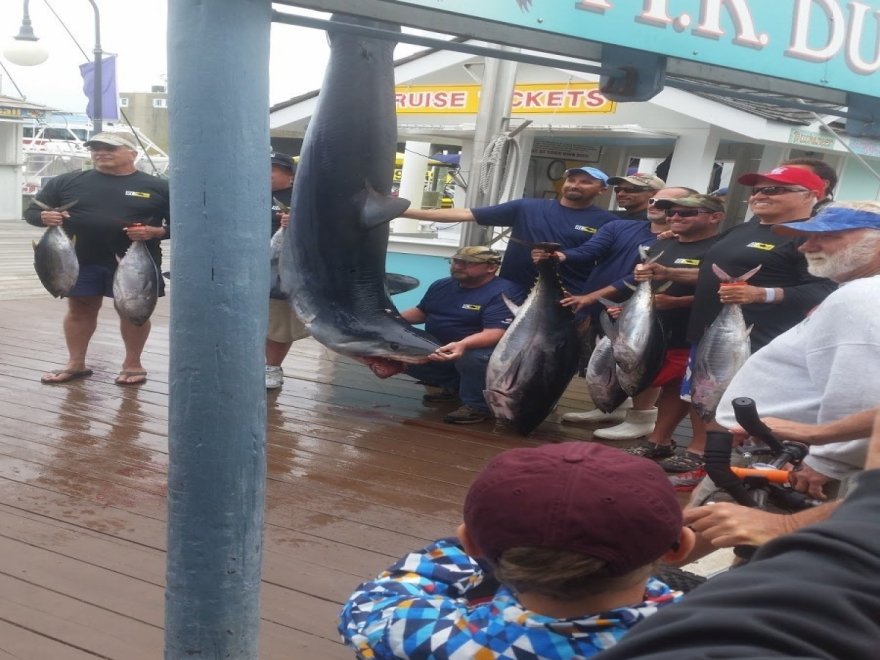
(332, 263)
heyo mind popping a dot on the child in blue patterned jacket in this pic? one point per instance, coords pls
(571, 531)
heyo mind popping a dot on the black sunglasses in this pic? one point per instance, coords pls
(772, 191)
(684, 213)
(631, 189)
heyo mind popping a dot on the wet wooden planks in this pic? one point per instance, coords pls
(359, 471)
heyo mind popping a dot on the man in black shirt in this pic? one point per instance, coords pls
(695, 221)
(115, 204)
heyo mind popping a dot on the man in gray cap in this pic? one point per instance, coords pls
(106, 208)
(634, 193)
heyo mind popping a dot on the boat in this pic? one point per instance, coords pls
(55, 144)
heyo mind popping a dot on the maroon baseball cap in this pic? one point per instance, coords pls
(790, 175)
(576, 496)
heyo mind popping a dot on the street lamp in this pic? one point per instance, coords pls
(25, 51)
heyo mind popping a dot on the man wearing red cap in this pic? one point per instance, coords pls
(775, 298)
(571, 531)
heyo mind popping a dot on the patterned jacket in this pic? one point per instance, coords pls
(418, 608)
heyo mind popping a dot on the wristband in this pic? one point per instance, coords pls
(769, 295)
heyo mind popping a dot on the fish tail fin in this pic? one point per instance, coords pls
(724, 277)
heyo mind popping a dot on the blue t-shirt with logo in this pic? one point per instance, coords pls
(543, 221)
(454, 312)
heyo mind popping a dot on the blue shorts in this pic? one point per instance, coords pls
(97, 280)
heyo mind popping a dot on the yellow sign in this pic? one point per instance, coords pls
(532, 98)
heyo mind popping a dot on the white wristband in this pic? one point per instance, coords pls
(769, 295)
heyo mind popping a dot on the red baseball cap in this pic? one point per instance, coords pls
(788, 174)
(576, 496)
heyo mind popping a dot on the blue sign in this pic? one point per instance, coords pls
(828, 43)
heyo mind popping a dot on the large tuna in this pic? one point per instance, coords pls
(602, 383)
(721, 352)
(55, 256)
(537, 357)
(333, 261)
(55, 262)
(636, 325)
(136, 284)
(640, 378)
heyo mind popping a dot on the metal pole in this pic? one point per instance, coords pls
(98, 88)
(219, 312)
(496, 95)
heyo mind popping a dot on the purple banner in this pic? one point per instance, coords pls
(109, 103)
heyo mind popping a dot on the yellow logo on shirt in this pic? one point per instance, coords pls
(761, 246)
(687, 262)
(134, 193)
(585, 229)
(473, 308)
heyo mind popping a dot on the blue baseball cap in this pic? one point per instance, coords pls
(831, 218)
(591, 171)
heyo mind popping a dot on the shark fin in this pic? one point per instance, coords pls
(377, 209)
(397, 283)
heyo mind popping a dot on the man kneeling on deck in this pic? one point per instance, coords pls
(468, 316)
(571, 531)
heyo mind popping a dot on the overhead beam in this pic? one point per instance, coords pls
(469, 27)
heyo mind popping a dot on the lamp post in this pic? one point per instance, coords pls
(25, 51)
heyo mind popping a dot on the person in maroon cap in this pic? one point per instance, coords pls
(774, 299)
(571, 531)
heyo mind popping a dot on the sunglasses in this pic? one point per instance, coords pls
(632, 189)
(772, 191)
(684, 213)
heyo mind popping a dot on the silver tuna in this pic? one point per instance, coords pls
(136, 284)
(55, 262)
(721, 352)
(602, 383)
(636, 324)
(536, 358)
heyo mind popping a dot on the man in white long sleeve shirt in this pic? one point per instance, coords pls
(825, 368)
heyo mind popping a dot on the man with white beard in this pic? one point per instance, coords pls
(823, 369)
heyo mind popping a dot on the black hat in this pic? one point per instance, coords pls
(283, 160)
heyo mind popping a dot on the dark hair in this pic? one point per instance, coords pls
(820, 168)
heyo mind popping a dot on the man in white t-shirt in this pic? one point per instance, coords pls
(822, 370)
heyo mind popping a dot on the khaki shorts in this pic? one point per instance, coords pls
(284, 326)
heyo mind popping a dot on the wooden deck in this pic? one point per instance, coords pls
(359, 471)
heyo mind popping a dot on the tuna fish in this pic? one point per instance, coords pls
(136, 284)
(721, 352)
(640, 378)
(636, 324)
(55, 256)
(333, 260)
(602, 383)
(55, 262)
(537, 357)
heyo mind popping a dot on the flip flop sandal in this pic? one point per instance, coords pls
(70, 374)
(130, 374)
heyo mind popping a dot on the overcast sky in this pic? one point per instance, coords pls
(135, 31)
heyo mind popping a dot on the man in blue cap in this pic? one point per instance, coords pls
(569, 221)
(821, 370)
